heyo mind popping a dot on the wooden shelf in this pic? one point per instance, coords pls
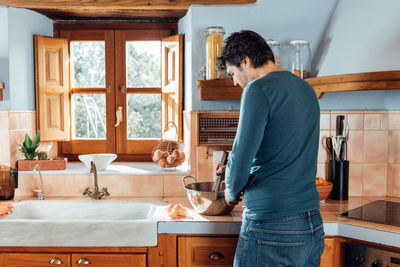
(218, 90)
(382, 80)
(1, 90)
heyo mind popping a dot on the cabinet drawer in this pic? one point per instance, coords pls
(35, 259)
(108, 260)
(206, 251)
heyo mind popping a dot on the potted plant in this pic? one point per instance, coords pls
(29, 149)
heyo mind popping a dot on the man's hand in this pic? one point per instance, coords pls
(219, 171)
(229, 202)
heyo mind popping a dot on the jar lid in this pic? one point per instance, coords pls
(271, 42)
(215, 29)
(299, 42)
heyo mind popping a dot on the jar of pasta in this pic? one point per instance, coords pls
(215, 42)
(276, 49)
(300, 59)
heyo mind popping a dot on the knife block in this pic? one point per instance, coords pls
(339, 179)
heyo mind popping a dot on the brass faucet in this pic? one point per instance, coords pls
(95, 194)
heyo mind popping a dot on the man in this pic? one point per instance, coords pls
(273, 162)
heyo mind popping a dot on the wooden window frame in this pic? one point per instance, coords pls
(60, 30)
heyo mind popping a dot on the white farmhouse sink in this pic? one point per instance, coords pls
(81, 223)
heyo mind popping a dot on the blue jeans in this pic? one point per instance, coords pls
(296, 240)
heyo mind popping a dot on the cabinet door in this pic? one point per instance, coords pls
(206, 251)
(108, 260)
(333, 253)
(35, 259)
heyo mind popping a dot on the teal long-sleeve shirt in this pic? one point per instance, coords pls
(274, 156)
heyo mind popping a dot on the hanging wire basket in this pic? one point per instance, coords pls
(169, 150)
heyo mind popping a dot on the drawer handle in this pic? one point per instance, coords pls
(216, 256)
(56, 261)
(83, 261)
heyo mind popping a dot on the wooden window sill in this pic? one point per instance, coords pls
(120, 168)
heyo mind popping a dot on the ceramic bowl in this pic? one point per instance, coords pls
(324, 190)
(100, 160)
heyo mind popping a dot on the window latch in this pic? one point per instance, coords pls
(119, 115)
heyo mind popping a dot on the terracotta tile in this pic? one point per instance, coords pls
(4, 120)
(25, 185)
(76, 184)
(355, 179)
(205, 173)
(148, 185)
(372, 121)
(322, 171)
(355, 147)
(117, 185)
(389, 186)
(325, 121)
(396, 181)
(356, 122)
(391, 146)
(374, 179)
(16, 140)
(54, 184)
(395, 146)
(173, 186)
(375, 146)
(385, 121)
(323, 152)
(20, 120)
(396, 121)
(5, 147)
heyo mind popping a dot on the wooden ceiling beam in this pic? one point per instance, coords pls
(117, 5)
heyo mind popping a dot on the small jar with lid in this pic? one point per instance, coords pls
(300, 59)
(276, 49)
(215, 43)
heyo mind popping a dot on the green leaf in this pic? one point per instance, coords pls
(36, 141)
(28, 141)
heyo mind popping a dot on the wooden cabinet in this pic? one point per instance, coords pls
(206, 251)
(35, 259)
(333, 253)
(108, 260)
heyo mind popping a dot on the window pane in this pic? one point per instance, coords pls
(143, 64)
(88, 116)
(144, 116)
(88, 64)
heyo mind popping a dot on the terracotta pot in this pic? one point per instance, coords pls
(48, 164)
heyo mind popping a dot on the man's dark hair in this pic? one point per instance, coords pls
(245, 43)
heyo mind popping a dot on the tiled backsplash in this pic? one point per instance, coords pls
(373, 152)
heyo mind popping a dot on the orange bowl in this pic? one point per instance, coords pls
(324, 190)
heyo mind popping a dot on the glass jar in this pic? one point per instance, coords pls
(215, 43)
(276, 49)
(300, 59)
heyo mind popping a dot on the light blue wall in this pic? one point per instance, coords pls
(22, 25)
(4, 75)
(345, 36)
(364, 36)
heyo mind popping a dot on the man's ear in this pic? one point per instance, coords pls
(247, 62)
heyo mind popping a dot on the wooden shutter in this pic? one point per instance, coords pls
(52, 88)
(172, 81)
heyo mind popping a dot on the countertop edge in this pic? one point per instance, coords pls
(233, 228)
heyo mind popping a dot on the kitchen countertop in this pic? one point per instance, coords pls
(230, 224)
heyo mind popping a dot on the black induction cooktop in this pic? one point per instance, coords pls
(380, 211)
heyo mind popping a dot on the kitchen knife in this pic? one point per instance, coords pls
(219, 178)
(339, 124)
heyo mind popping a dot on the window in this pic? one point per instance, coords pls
(118, 75)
